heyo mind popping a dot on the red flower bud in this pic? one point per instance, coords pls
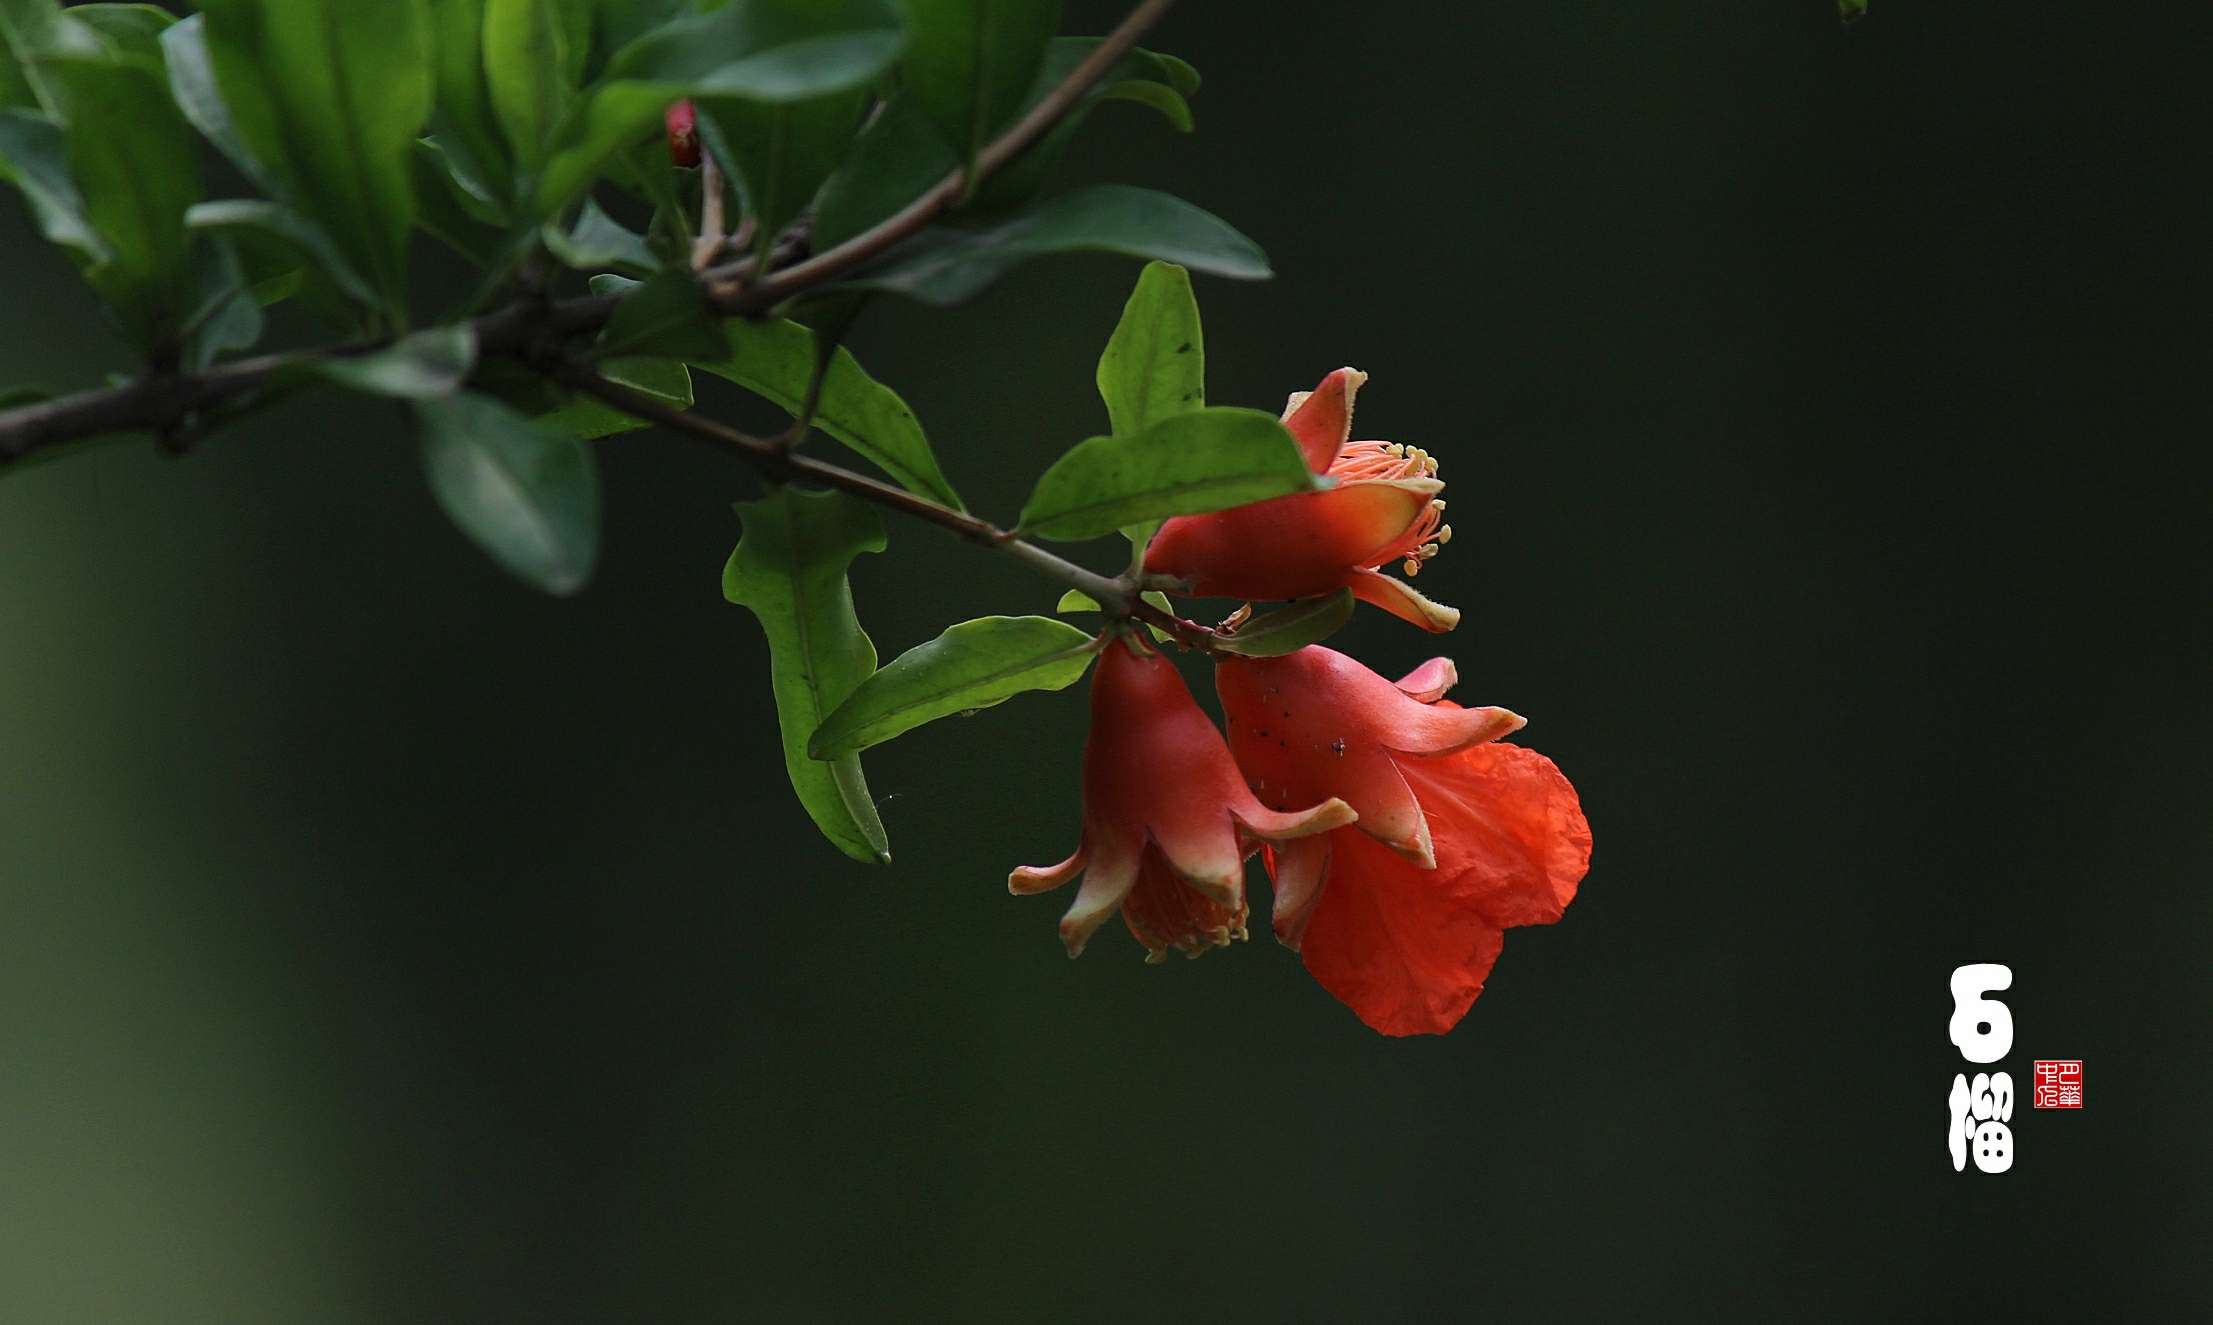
(1383, 509)
(1459, 837)
(1167, 819)
(683, 128)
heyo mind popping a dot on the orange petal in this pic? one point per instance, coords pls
(1300, 546)
(1429, 682)
(1400, 599)
(1396, 943)
(1298, 871)
(1322, 418)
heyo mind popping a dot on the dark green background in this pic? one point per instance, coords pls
(1828, 422)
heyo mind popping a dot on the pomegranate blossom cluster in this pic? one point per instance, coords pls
(1401, 834)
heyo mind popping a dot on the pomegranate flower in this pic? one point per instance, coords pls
(1167, 819)
(1384, 508)
(1459, 838)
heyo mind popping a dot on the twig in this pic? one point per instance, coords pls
(1118, 598)
(157, 400)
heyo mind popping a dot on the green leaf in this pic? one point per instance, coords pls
(468, 126)
(127, 30)
(667, 315)
(781, 152)
(526, 494)
(895, 160)
(1076, 600)
(267, 229)
(972, 666)
(597, 243)
(777, 359)
(765, 50)
(431, 363)
(329, 96)
(229, 314)
(36, 31)
(790, 570)
(1851, 10)
(447, 211)
(1292, 628)
(769, 50)
(1155, 363)
(947, 265)
(1187, 464)
(665, 380)
(192, 83)
(971, 63)
(1160, 80)
(34, 156)
(533, 56)
(138, 171)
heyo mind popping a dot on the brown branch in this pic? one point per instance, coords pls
(165, 402)
(1117, 598)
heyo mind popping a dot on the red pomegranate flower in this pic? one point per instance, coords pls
(1459, 838)
(683, 128)
(1167, 819)
(1383, 509)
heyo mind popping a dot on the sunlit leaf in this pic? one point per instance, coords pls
(329, 97)
(789, 568)
(973, 665)
(1188, 464)
(777, 359)
(1155, 363)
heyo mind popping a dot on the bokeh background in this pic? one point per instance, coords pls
(1830, 430)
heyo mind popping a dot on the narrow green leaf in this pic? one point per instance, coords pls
(973, 665)
(947, 265)
(468, 126)
(526, 494)
(666, 315)
(776, 360)
(34, 156)
(781, 152)
(329, 96)
(136, 183)
(532, 54)
(1187, 464)
(1292, 628)
(1159, 96)
(430, 363)
(665, 380)
(192, 83)
(1076, 600)
(127, 30)
(1018, 183)
(972, 62)
(1155, 363)
(769, 50)
(790, 569)
(229, 314)
(269, 225)
(607, 120)
(447, 211)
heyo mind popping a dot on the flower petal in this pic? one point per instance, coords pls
(1428, 683)
(1029, 879)
(1300, 546)
(1395, 943)
(1164, 912)
(1510, 830)
(1399, 599)
(1298, 870)
(1322, 418)
(1105, 884)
